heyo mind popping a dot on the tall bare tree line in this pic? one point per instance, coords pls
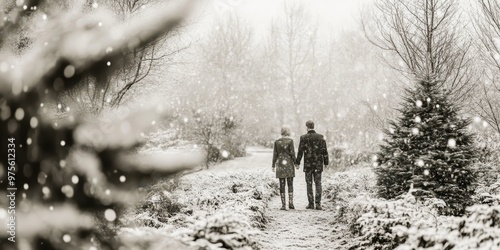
(425, 38)
(292, 47)
(487, 27)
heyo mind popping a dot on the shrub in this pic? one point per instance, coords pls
(158, 207)
(344, 158)
(343, 187)
(219, 133)
(478, 229)
(376, 222)
(488, 188)
(209, 210)
(221, 231)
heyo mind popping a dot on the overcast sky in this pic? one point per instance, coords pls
(337, 14)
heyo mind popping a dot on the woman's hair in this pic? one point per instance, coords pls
(285, 130)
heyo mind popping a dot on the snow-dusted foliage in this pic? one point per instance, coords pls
(218, 210)
(488, 188)
(380, 219)
(372, 221)
(342, 187)
(478, 229)
(411, 221)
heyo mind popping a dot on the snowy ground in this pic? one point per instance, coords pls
(291, 229)
(302, 228)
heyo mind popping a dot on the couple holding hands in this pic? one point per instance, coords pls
(312, 147)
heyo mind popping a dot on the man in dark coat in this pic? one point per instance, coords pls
(313, 147)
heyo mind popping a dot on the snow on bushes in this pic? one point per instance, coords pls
(488, 187)
(221, 231)
(208, 210)
(372, 220)
(478, 229)
(412, 222)
(343, 187)
(379, 219)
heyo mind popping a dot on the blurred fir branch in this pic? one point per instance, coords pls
(69, 173)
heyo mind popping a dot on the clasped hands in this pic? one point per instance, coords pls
(297, 166)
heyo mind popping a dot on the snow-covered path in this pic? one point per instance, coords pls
(291, 229)
(301, 228)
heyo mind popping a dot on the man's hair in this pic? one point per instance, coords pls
(285, 130)
(310, 124)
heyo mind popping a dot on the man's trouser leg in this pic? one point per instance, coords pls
(317, 183)
(309, 180)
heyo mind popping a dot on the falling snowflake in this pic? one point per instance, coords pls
(33, 122)
(69, 72)
(66, 238)
(420, 163)
(414, 131)
(110, 215)
(75, 179)
(19, 114)
(452, 143)
(67, 190)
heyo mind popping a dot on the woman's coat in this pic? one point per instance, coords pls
(284, 158)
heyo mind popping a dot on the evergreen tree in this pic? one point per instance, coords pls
(430, 147)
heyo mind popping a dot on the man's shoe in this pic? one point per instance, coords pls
(318, 207)
(310, 206)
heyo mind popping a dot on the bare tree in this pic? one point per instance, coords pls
(487, 26)
(97, 94)
(228, 61)
(425, 35)
(292, 53)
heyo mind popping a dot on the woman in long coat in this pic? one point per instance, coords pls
(283, 165)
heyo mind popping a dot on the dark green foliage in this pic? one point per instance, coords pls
(430, 147)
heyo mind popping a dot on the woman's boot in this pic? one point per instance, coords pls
(290, 201)
(283, 201)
